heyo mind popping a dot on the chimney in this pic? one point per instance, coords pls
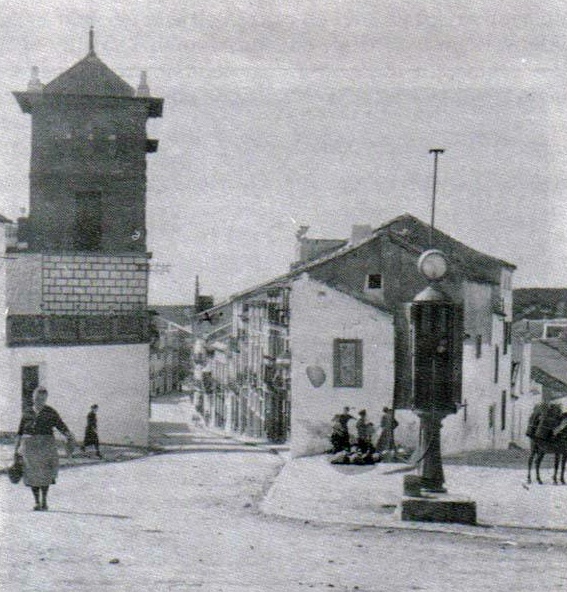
(143, 88)
(360, 232)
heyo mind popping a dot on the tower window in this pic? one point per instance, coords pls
(88, 221)
(374, 281)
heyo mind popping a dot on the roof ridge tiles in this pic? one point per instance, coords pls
(89, 76)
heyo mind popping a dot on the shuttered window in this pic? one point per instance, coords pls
(347, 362)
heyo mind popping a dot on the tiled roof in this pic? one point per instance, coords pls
(90, 76)
(413, 235)
(550, 357)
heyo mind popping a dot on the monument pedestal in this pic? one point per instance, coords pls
(418, 506)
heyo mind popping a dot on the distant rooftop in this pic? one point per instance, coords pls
(549, 364)
(180, 314)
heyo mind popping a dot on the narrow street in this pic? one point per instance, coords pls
(190, 521)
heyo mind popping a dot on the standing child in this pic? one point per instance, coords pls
(91, 431)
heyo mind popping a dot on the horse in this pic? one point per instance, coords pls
(555, 444)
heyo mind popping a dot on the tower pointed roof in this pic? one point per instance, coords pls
(90, 76)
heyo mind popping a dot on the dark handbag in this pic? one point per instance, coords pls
(16, 471)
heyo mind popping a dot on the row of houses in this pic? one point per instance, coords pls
(277, 361)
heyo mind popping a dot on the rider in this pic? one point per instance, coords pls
(543, 420)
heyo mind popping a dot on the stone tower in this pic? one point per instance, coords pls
(77, 284)
(88, 159)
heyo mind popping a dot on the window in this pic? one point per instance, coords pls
(347, 363)
(555, 332)
(507, 337)
(88, 221)
(63, 132)
(374, 281)
(478, 345)
(496, 363)
(503, 411)
(491, 414)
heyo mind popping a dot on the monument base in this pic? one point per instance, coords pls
(418, 506)
(443, 508)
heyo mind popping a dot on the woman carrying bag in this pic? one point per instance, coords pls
(39, 449)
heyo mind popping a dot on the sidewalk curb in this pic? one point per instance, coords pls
(487, 532)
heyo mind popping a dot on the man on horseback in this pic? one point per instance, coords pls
(548, 434)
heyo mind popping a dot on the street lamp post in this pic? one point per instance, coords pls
(436, 347)
(433, 319)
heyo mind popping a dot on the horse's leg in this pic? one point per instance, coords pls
(539, 458)
(556, 459)
(530, 462)
(563, 463)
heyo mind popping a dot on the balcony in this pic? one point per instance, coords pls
(51, 330)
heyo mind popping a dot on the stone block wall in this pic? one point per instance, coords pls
(92, 284)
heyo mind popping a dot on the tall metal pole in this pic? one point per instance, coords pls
(436, 152)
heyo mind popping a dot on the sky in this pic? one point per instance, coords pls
(286, 113)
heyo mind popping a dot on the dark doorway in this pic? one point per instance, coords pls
(88, 221)
(30, 381)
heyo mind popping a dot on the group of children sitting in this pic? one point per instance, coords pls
(364, 450)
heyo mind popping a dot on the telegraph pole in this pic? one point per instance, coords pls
(436, 152)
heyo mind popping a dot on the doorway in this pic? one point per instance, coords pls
(30, 381)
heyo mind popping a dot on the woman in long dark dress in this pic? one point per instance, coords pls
(39, 449)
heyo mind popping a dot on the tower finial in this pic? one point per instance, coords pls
(143, 88)
(34, 85)
(91, 41)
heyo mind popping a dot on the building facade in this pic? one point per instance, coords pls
(243, 363)
(345, 311)
(379, 268)
(171, 349)
(76, 282)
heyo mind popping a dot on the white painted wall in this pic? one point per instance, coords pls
(3, 295)
(526, 393)
(480, 391)
(115, 377)
(319, 315)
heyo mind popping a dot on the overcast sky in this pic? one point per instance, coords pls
(319, 112)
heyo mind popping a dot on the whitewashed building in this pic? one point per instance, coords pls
(349, 345)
